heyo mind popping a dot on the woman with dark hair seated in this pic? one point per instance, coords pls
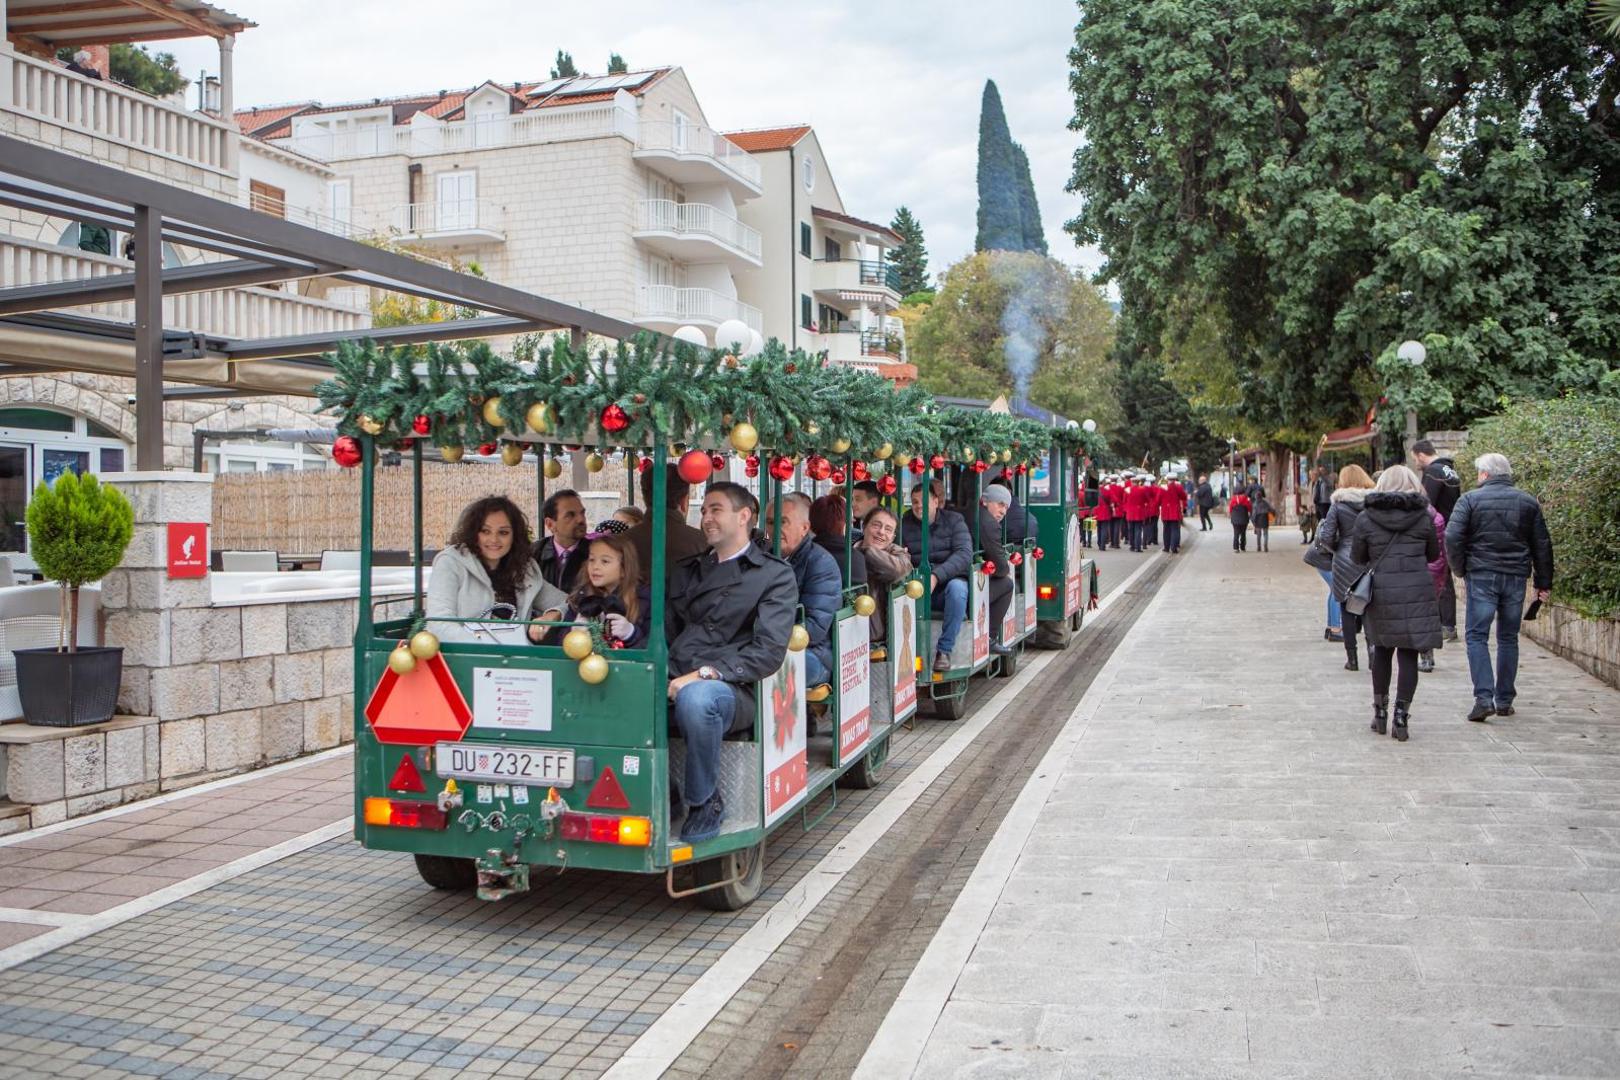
(609, 592)
(485, 572)
(827, 525)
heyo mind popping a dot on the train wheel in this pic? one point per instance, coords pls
(868, 772)
(1009, 664)
(951, 708)
(447, 872)
(744, 874)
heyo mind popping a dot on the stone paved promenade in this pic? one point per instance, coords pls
(1221, 872)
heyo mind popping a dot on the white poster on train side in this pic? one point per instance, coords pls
(903, 654)
(981, 617)
(786, 743)
(1071, 570)
(1031, 596)
(854, 685)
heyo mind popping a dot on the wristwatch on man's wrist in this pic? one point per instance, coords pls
(707, 673)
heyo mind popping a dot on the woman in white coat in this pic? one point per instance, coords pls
(485, 572)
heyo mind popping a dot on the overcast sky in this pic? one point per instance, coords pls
(892, 88)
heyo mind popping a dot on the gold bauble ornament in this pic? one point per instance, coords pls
(540, 418)
(400, 661)
(798, 639)
(914, 589)
(593, 462)
(512, 453)
(577, 643)
(492, 412)
(865, 605)
(424, 645)
(884, 451)
(902, 460)
(553, 468)
(840, 446)
(370, 426)
(812, 429)
(1006, 455)
(452, 454)
(744, 437)
(594, 668)
(969, 455)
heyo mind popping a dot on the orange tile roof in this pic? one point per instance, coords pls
(769, 138)
(253, 121)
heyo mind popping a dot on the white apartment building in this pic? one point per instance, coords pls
(612, 193)
(52, 420)
(825, 284)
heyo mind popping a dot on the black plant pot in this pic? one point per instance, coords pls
(66, 689)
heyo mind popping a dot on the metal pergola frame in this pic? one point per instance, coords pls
(259, 249)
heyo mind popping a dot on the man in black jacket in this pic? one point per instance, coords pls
(1205, 497)
(1020, 523)
(950, 560)
(559, 552)
(1443, 486)
(1497, 537)
(730, 614)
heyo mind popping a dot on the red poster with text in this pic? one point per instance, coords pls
(787, 764)
(188, 549)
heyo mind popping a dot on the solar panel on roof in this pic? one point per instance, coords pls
(601, 84)
(547, 87)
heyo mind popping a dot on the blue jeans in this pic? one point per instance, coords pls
(1499, 597)
(703, 712)
(815, 669)
(1335, 615)
(951, 598)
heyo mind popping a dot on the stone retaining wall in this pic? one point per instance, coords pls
(1591, 644)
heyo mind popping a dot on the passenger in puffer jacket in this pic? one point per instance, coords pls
(1441, 575)
(821, 586)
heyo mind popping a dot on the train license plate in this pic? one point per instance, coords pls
(521, 765)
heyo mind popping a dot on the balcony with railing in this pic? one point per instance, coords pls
(247, 312)
(446, 222)
(665, 307)
(426, 136)
(697, 232)
(52, 95)
(858, 280)
(692, 154)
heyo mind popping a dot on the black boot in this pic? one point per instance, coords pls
(1401, 716)
(1352, 663)
(1380, 724)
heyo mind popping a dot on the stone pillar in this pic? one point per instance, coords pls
(5, 61)
(227, 98)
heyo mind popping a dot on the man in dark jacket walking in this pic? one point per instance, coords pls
(1496, 537)
(820, 583)
(730, 614)
(1443, 487)
(950, 560)
(1205, 497)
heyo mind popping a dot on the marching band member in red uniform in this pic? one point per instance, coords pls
(1136, 510)
(1172, 507)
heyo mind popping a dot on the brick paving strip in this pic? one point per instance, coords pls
(1220, 871)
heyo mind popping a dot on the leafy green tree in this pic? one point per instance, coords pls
(911, 257)
(1285, 192)
(616, 65)
(1029, 209)
(77, 530)
(564, 66)
(1001, 222)
(158, 75)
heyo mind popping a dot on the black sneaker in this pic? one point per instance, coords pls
(998, 649)
(1480, 711)
(942, 662)
(1504, 710)
(703, 823)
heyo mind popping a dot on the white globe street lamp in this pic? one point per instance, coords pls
(1412, 351)
(692, 336)
(1090, 425)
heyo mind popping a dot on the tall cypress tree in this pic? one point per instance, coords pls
(1029, 210)
(911, 257)
(1001, 226)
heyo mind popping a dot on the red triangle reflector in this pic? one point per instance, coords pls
(607, 794)
(406, 777)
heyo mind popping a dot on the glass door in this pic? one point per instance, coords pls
(14, 490)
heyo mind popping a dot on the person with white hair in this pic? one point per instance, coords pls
(1496, 537)
(1395, 541)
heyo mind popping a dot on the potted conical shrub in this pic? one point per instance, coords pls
(77, 532)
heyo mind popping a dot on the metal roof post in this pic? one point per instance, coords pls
(148, 340)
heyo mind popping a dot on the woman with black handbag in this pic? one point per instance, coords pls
(1330, 555)
(1394, 540)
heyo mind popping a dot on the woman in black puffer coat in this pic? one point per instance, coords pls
(1395, 537)
(1333, 533)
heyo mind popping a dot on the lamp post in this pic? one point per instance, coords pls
(1413, 352)
(1231, 466)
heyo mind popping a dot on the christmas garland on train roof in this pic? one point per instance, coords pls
(462, 394)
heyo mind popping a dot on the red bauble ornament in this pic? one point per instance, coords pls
(406, 444)
(860, 470)
(781, 467)
(817, 467)
(1038, 553)
(790, 367)
(937, 461)
(988, 569)
(644, 465)
(718, 461)
(751, 468)
(488, 449)
(1022, 469)
(917, 466)
(614, 419)
(694, 467)
(837, 476)
(887, 485)
(346, 451)
(979, 467)
(1016, 558)
(422, 425)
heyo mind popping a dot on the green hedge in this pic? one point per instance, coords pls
(1566, 452)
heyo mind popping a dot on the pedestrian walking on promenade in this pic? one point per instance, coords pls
(1172, 506)
(1321, 494)
(1262, 522)
(1334, 534)
(1443, 487)
(1205, 496)
(1394, 540)
(1497, 537)
(1441, 575)
(1238, 511)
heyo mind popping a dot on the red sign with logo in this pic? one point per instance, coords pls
(188, 549)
